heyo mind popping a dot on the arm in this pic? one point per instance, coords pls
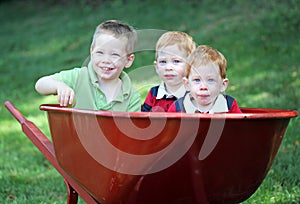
(47, 85)
(235, 108)
(148, 103)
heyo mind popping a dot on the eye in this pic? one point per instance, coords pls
(115, 54)
(162, 62)
(210, 80)
(196, 81)
(99, 52)
(176, 61)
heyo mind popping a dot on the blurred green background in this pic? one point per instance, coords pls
(260, 40)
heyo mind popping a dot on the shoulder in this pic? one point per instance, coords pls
(232, 104)
(152, 93)
(229, 100)
(126, 82)
(68, 76)
(69, 71)
(150, 99)
(154, 90)
(177, 106)
(127, 86)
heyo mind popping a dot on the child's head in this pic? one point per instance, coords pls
(204, 55)
(117, 29)
(172, 49)
(112, 48)
(205, 75)
(184, 42)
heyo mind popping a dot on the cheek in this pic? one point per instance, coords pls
(194, 88)
(180, 70)
(159, 70)
(214, 89)
(194, 92)
(95, 59)
(118, 62)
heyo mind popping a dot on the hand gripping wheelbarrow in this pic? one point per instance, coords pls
(140, 158)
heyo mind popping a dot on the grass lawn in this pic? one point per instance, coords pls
(260, 40)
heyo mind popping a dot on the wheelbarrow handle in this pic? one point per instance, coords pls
(15, 112)
(46, 148)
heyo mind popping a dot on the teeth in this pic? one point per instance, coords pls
(107, 68)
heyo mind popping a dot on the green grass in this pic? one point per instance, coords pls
(260, 39)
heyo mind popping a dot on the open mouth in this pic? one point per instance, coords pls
(107, 68)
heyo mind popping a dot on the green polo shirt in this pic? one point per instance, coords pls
(88, 95)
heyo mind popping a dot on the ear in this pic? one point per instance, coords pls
(130, 59)
(224, 84)
(155, 64)
(91, 51)
(186, 83)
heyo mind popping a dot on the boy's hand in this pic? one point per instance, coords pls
(47, 85)
(65, 95)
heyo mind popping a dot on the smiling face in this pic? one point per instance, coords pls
(170, 65)
(205, 84)
(109, 56)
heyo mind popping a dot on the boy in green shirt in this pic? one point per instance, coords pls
(102, 85)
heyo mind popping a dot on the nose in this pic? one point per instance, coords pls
(202, 85)
(106, 59)
(169, 66)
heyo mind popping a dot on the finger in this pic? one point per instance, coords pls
(63, 98)
(59, 97)
(71, 98)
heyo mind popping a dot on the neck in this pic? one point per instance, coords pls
(111, 88)
(172, 89)
(109, 83)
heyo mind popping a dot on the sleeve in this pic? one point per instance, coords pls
(148, 103)
(135, 102)
(235, 108)
(69, 77)
(172, 107)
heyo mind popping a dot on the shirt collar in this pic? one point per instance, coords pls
(220, 105)
(126, 87)
(163, 92)
(92, 73)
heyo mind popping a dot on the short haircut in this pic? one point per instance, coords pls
(184, 41)
(204, 55)
(117, 29)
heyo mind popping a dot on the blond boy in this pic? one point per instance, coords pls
(172, 49)
(204, 81)
(102, 84)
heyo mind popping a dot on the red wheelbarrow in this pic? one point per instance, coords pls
(141, 158)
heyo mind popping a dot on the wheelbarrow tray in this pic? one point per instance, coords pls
(140, 158)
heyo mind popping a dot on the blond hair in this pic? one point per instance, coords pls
(181, 39)
(117, 29)
(204, 55)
